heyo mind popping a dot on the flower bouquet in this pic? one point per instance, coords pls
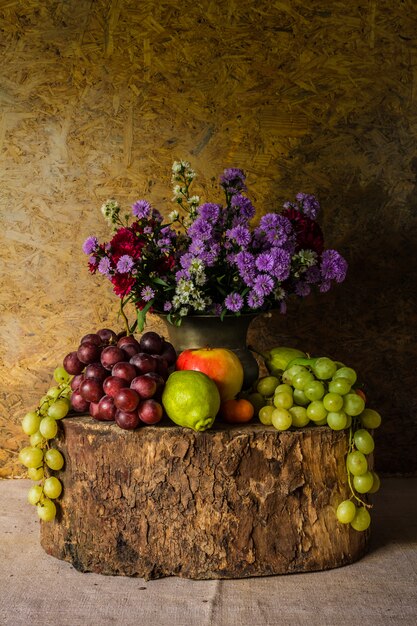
(212, 258)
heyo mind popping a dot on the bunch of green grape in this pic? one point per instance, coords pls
(39, 457)
(322, 392)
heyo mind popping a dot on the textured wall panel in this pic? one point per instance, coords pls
(98, 98)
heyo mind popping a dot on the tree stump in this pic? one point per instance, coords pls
(230, 502)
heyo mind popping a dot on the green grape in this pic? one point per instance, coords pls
(45, 402)
(288, 375)
(370, 418)
(314, 390)
(46, 510)
(53, 393)
(376, 483)
(35, 494)
(356, 463)
(346, 372)
(353, 404)
(364, 441)
(316, 411)
(31, 457)
(283, 400)
(281, 419)
(346, 512)
(267, 385)
(340, 385)
(283, 387)
(361, 520)
(36, 439)
(48, 427)
(52, 487)
(30, 423)
(349, 421)
(265, 415)
(322, 422)
(61, 376)
(299, 416)
(59, 408)
(337, 420)
(332, 402)
(35, 473)
(324, 368)
(54, 459)
(300, 397)
(302, 379)
(364, 482)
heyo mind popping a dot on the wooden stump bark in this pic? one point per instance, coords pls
(230, 502)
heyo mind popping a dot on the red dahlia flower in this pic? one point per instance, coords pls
(308, 232)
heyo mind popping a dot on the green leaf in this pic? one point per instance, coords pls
(160, 281)
(141, 315)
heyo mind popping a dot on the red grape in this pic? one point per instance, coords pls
(144, 362)
(151, 342)
(92, 338)
(72, 364)
(96, 370)
(88, 352)
(76, 381)
(106, 409)
(111, 355)
(128, 420)
(160, 383)
(93, 409)
(127, 399)
(169, 353)
(78, 403)
(113, 384)
(127, 339)
(107, 336)
(124, 370)
(144, 385)
(91, 389)
(130, 349)
(150, 411)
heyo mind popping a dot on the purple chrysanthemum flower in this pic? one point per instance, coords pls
(186, 259)
(233, 302)
(182, 274)
(147, 293)
(309, 204)
(243, 207)
(167, 306)
(282, 263)
(90, 245)
(104, 266)
(265, 262)
(148, 230)
(325, 286)
(240, 235)
(245, 261)
(124, 264)
(275, 229)
(217, 309)
(141, 209)
(263, 285)
(209, 211)
(254, 300)
(200, 229)
(156, 215)
(302, 289)
(312, 275)
(233, 180)
(333, 266)
(197, 247)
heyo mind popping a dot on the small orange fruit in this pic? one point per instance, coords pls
(237, 411)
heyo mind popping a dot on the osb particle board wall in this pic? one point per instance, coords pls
(98, 98)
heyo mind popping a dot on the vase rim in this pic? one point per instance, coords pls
(212, 315)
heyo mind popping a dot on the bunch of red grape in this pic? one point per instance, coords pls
(120, 378)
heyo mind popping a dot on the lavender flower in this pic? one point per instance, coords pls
(90, 245)
(147, 293)
(333, 266)
(200, 229)
(282, 263)
(254, 300)
(274, 229)
(233, 302)
(141, 209)
(265, 262)
(124, 264)
(243, 207)
(167, 306)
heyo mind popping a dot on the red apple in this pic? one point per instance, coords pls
(220, 364)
